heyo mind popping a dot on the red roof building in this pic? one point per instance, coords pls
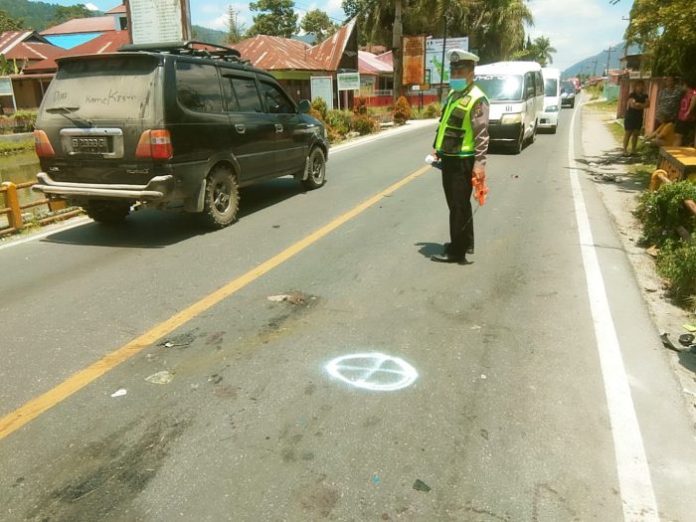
(94, 24)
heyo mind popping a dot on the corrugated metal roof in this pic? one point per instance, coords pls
(117, 10)
(387, 58)
(10, 39)
(368, 63)
(26, 45)
(106, 43)
(330, 51)
(95, 24)
(274, 53)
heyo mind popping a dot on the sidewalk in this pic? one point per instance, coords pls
(619, 187)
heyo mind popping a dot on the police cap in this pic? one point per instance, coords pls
(459, 58)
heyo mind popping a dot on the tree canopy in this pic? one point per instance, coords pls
(275, 18)
(65, 13)
(666, 30)
(9, 24)
(540, 50)
(318, 24)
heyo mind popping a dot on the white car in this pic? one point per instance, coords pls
(516, 94)
(552, 99)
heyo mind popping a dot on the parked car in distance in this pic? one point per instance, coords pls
(516, 94)
(171, 126)
(552, 99)
(567, 94)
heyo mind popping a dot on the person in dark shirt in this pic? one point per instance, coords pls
(633, 120)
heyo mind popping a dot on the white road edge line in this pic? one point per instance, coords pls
(41, 235)
(418, 124)
(637, 494)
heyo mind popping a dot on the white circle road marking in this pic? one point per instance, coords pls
(373, 371)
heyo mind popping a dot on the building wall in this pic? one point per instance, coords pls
(28, 93)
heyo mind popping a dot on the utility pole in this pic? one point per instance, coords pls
(444, 50)
(397, 50)
(609, 51)
(594, 68)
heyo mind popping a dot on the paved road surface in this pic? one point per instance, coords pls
(503, 414)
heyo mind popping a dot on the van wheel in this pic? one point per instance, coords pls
(221, 198)
(554, 129)
(108, 212)
(316, 169)
(534, 133)
(517, 147)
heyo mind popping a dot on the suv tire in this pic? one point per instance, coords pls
(108, 212)
(315, 169)
(221, 198)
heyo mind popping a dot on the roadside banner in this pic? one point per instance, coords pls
(322, 87)
(348, 81)
(433, 56)
(159, 21)
(414, 60)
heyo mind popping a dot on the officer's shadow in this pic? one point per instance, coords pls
(430, 249)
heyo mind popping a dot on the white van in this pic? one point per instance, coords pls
(516, 94)
(552, 99)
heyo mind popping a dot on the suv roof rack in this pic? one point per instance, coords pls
(210, 50)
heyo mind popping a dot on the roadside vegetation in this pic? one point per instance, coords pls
(8, 148)
(20, 121)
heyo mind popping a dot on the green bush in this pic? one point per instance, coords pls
(432, 110)
(363, 124)
(676, 261)
(360, 105)
(663, 211)
(402, 111)
(319, 105)
(339, 121)
(20, 121)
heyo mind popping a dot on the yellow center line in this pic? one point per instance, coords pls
(35, 407)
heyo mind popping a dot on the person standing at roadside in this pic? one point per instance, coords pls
(461, 143)
(686, 119)
(633, 119)
(668, 101)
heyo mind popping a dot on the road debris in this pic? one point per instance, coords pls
(295, 298)
(689, 327)
(690, 348)
(687, 339)
(653, 251)
(119, 393)
(163, 377)
(419, 485)
(179, 341)
(376, 480)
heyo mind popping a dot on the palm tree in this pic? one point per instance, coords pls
(543, 50)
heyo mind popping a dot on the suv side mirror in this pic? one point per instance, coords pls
(304, 106)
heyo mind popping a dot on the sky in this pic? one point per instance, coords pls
(578, 29)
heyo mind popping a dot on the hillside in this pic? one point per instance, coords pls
(37, 15)
(34, 15)
(595, 65)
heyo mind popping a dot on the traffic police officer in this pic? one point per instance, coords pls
(461, 144)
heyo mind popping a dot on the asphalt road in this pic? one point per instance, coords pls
(490, 401)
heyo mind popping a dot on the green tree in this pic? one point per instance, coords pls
(235, 30)
(540, 51)
(318, 24)
(65, 13)
(276, 18)
(666, 30)
(9, 24)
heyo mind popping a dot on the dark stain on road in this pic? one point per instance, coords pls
(470, 508)
(320, 499)
(108, 475)
(546, 499)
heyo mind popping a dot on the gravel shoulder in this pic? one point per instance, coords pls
(620, 187)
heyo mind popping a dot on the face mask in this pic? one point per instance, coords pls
(459, 84)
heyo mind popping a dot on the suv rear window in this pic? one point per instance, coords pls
(118, 87)
(198, 87)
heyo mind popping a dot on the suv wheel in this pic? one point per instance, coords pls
(316, 169)
(221, 197)
(108, 212)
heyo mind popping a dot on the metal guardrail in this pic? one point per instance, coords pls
(14, 209)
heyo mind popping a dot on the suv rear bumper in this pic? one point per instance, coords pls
(157, 188)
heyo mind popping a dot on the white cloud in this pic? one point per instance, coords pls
(578, 29)
(91, 7)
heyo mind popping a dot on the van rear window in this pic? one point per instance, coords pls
(501, 87)
(117, 87)
(551, 87)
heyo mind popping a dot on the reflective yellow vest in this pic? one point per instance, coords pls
(455, 136)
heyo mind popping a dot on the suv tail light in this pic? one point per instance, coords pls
(155, 144)
(43, 146)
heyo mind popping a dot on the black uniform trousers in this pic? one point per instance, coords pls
(456, 180)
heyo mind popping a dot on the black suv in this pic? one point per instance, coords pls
(179, 126)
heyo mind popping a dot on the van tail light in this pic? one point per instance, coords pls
(155, 144)
(43, 146)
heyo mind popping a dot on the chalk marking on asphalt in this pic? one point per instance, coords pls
(35, 407)
(637, 494)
